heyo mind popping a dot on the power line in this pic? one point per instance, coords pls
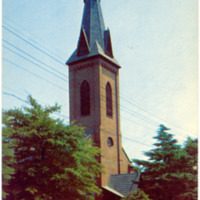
(135, 122)
(152, 113)
(131, 112)
(19, 93)
(34, 74)
(11, 90)
(127, 109)
(44, 46)
(103, 99)
(121, 97)
(32, 45)
(9, 94)
(111, 132)
(25, 101)
(131, 140)
(136, 141)
(139, 116)
(34, 58)
(102, 87)
(34, 63)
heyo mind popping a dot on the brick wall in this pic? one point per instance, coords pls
(98, 73)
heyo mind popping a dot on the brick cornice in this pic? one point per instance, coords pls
(109, 68)
(81, 66)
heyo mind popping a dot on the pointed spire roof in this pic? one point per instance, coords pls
(94, 39)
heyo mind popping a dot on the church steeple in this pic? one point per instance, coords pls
(94, 93)
(94, 38)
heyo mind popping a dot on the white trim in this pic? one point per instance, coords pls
(113, 191)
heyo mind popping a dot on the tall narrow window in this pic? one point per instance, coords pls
(109, 109)
(85, 98)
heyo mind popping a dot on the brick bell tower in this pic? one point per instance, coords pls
(94, 90)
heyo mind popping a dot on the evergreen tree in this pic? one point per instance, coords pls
(169, 173)
(54, 161)
(137, 195)
(190, 150)
(8, 159)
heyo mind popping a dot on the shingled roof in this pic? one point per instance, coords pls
(124, 183)
(94, 39)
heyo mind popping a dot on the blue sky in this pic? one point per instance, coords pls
(155, 41)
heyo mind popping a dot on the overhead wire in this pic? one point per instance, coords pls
(17, 48)
(13, 95)
(127, 110)
(25, 101)
(153, 114)
(39, 49)
(149, 110)
(37, 65)
(130, 139)
(41, 78)
(44, 46)
(120, 96)
(128, 119)
(53, 74)
(124, 108)
(123, 98)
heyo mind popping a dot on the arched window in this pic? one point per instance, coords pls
(85, 98)
(110, 142)
(109, 110)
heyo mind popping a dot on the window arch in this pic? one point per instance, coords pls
(85, 98)
(110, 142)
(109, 109)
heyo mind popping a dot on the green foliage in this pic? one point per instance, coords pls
(170, 172)
(54, 161)
(8, 159)
(137, 195)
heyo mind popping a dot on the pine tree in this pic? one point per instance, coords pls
(168, 174)
(54, 161)
(8, 159)
(190, 150)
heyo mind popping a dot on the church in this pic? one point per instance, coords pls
(94, 101)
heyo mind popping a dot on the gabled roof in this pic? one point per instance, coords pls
(124, 183)
(94, 38)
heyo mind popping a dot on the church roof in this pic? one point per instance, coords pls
(124, 183)
(94, 39)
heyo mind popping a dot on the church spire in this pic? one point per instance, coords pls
(93, 22)
(94, 39)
